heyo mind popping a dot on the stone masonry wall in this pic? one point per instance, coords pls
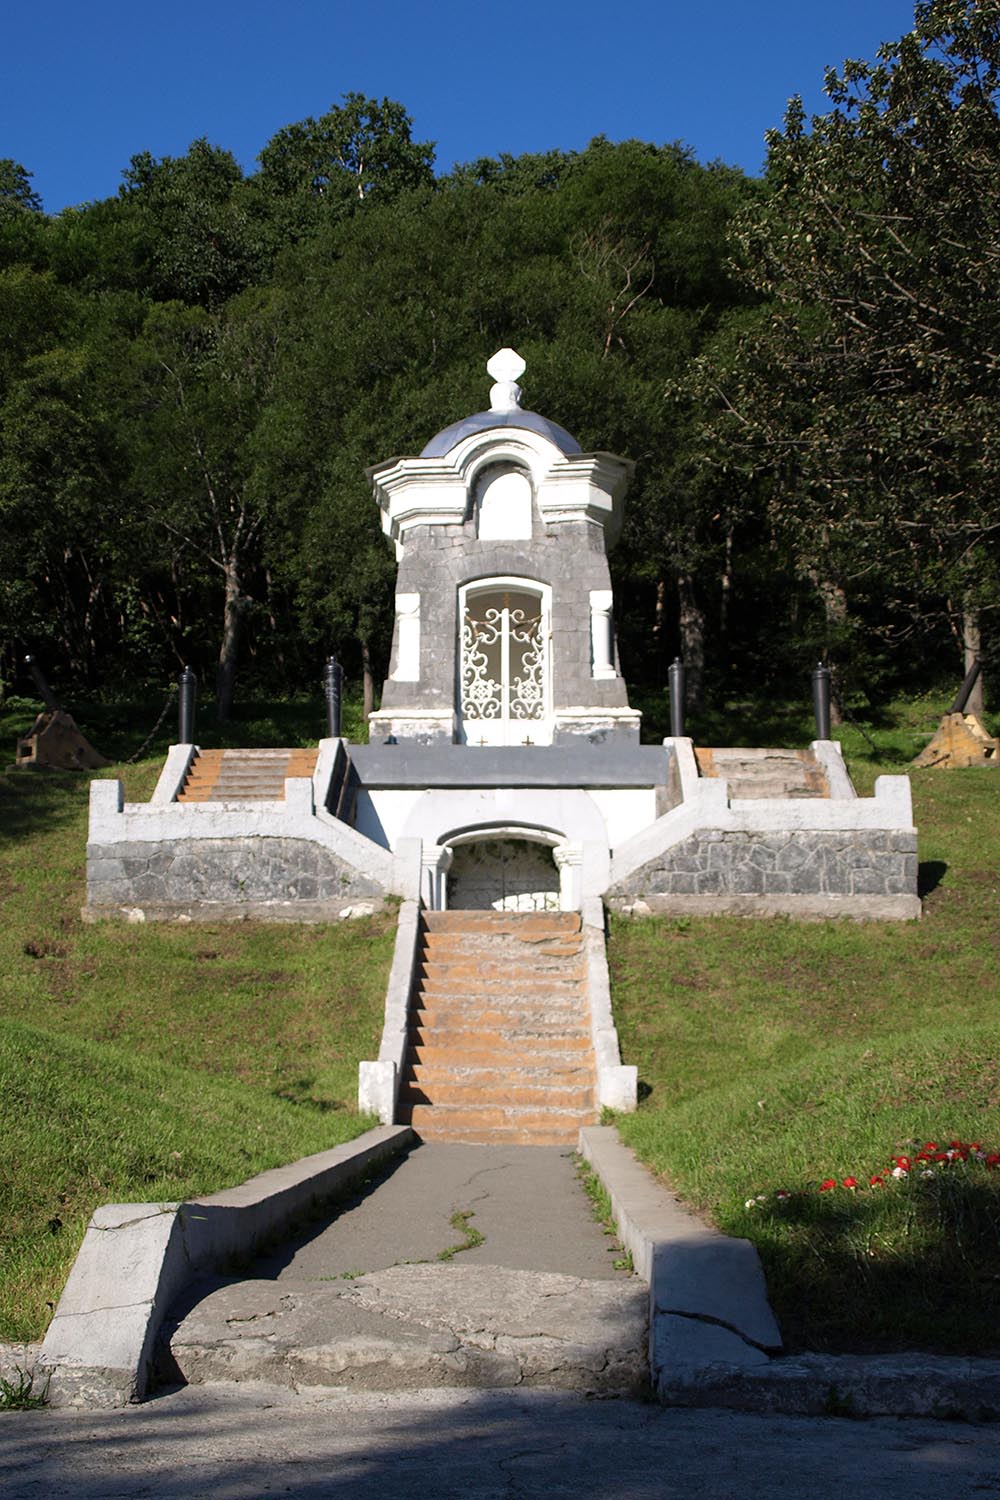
(229, 875)
(713, 863)
(570, 557)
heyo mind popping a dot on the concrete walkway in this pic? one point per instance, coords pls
(526, 1201)
(389, 1295)
(241, 1443)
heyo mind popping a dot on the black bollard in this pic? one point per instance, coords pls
(821, 701)
(186, 702)
(675, 676)
(333, 682)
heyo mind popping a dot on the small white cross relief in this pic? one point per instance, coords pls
(505, 366)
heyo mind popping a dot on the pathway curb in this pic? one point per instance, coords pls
(137, 1257)
(713, 1339)
(707, 1296)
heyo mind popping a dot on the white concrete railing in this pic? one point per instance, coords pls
(707, 805)
(300, 815)
(378, 1082)
(617, 1083)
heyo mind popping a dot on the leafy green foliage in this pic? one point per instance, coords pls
(857, 414)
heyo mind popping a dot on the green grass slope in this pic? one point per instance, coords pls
(152, 1062)
(776, 1055)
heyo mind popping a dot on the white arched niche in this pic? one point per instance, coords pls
(503, 867)
(502, 503)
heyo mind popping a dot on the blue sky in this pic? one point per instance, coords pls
(85, 87)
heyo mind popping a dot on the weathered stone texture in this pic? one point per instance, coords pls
(232, 872)
(870, 862)
(570, 557)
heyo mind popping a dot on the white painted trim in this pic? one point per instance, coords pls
(378, 1082)
(830, 757)
(114, 821)
(617, 1083)
(602, 634)
(407, 667)
(175, 769)
(707, 805)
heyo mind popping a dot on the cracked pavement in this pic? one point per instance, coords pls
(365, 1301)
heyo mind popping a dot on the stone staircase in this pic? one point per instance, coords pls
(500, 1047)
(243, 775)
(765, 773)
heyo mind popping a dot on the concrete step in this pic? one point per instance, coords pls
(516, 1037)
(500, 1053)
(244, 775)
(764, 773)
(520, 924)
(445, 946)
(480, 1126)
(544, 1095)
(499, 1043)
(487, 1076)
(415, 1327)
(500, 1024)
(473, 977)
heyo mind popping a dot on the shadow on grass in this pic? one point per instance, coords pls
(909, 1266)
(33, 800)
(930, 873)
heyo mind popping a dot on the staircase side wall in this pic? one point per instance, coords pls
(713, 856)
(284, 861)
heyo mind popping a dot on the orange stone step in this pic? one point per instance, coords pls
(543, 1097)
(485, 1076)
(513, 922)
(540, 1051)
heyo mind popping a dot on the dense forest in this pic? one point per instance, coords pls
(196, 373)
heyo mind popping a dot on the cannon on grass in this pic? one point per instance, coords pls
(54, 739)
(961, 739)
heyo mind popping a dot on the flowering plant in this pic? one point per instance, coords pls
(922, 1161)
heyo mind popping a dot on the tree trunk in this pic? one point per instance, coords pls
(368, 681)
(225, 677)
(972, 645)
(726, 586)
(692, 628)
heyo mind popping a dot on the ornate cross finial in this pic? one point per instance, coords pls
(505, 366)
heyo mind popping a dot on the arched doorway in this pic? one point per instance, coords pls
(505, 695)
(505, 873)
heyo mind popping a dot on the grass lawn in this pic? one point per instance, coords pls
(156, 1062)
(775, 1055)
(148, 1063)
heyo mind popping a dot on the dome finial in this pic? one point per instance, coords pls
(505, 366)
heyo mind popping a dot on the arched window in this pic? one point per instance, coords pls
(505, 695)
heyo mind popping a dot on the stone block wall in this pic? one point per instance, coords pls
(569, 557)
(863, 872)
(225, 878)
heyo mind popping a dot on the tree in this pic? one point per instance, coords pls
(202, 235)
(865, 410)
(200, 382)
(17, 196)
(358, 150)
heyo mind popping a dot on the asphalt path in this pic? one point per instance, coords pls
(244, 1443)
(526, 1203)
